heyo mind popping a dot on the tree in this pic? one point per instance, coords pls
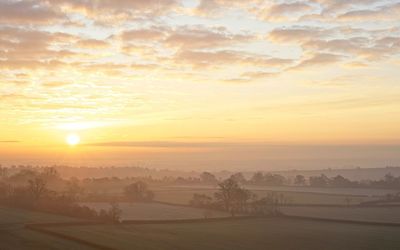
(269, 205)
(300, 180)
(232, 196)
(340, 181)
(138, 191)
(209, 178)
(258, 178)
(201, 200)
(3, 172)
(239, 177)
(37, 187)
(319, 181)
(73, 189)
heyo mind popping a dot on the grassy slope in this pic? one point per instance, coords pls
(14, 236)
(251, 234)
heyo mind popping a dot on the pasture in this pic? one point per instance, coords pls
(247, 234)
(14, 236)
(369, 214)
(183, 195)
(157, 211)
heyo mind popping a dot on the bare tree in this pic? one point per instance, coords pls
(37, 187)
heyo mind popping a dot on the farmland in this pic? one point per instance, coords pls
(254, 234)
(156, 211)
(370, 214)
(182, 195)
(13, 235)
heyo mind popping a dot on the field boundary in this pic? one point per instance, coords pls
(371, 223)
(40, 228)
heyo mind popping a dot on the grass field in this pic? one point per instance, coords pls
(183, 195)
(156, 211)
(13, 235)
(370, 214)
(247, 234)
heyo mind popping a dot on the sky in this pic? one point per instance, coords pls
(200, 84)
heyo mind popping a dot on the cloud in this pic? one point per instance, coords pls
(92, 44)
(284, 11)
(55, 84)
(385, 12)
(218, 58)
(200, 37)
(297, 34)
(28, 12)
(319, 59)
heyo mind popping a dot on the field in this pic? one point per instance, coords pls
(250, 234)
(182, 195)
(156, 211)
(14, 236)
(370, 214)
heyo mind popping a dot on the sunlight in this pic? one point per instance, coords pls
(73, 139)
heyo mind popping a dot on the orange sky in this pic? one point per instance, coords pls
(168, 76)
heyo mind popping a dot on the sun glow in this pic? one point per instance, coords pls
(72, 139)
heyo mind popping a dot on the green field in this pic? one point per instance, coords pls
(157, 211)
(184, 195)
(246, 234)
(370, 214)
(13, 235)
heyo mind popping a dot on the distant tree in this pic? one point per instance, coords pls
(112, 215)
(268, 205)
(209, 178)
(138, 191)
(37, 187)
(3, 172)
(258, 178)
(274, 179)
(319, 181)
(73, 189)
(239, 177)
(50, 174)
(233, 197)
(340, 181)
(300, 180)
(201, 200)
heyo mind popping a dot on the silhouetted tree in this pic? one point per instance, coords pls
(239, 177)
(201, 200)
(37, 187)
(209, 178)
(138, 191)
(300, 180)
(319, 181)
(232, 196)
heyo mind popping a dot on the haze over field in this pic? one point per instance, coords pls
(200, 84)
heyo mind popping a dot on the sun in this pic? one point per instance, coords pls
(72, 139)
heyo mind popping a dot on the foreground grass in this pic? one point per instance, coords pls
(14, 236)
(251, 234)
